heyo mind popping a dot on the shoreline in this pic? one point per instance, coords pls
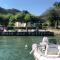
(56, 31)
(40, 32)
(34, 33)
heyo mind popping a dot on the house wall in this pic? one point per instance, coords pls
(19, 24)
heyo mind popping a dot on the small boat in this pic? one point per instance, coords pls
(46, 51)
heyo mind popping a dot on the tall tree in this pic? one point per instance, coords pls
(19, 17)
(52, 17)
(11, 20)
(27, 18)
(4, 20)
(56, 6)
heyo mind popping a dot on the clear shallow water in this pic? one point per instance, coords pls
(13, 47)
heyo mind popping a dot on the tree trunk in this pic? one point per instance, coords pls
(56, 25)
(26, 27)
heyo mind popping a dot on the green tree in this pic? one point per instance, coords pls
(1, 19)
(27, 18)
(4, 20)
(19, 17)
(52, 18)
(57, 9)
(54, 15)
(56, 4)
(11, 20)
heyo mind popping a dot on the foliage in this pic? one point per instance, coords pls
(4, 19)
(27, 17)
(45, 25)
(11, 20)
(9, 16)
(52, 15)
(56, 4)
(19, 17)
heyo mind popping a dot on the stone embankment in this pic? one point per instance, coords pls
(56, 31)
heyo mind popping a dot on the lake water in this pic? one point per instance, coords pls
(18, 47)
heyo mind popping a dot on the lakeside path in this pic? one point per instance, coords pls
(56, 31)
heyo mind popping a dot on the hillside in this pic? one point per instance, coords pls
(12, 11)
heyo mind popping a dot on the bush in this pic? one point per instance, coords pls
(45, 25)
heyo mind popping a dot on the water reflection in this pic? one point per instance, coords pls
(18, 47)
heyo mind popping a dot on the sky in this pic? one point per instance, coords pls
(36, 7)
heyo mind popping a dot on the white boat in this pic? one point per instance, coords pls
(45, 50)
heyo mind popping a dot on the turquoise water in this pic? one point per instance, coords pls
(13, 47)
